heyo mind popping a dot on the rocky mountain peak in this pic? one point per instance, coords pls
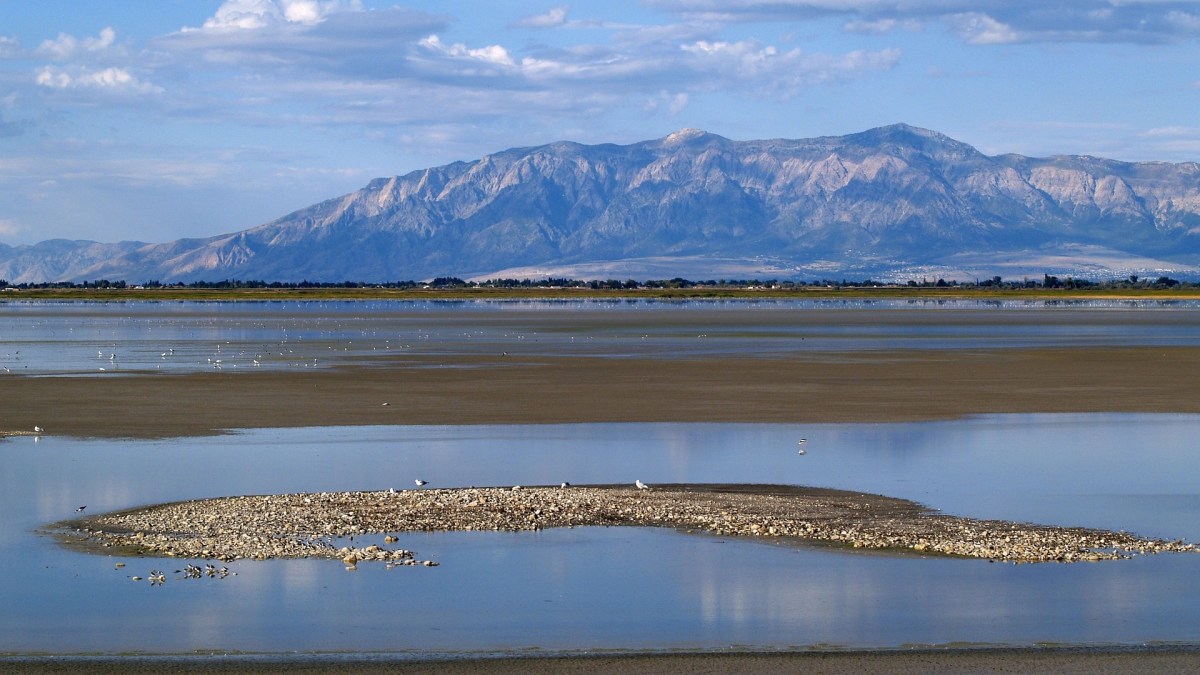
(692, 203)
(686, 135)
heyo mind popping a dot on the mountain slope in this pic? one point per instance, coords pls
(887, 201)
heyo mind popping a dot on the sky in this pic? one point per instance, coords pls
(154, 121)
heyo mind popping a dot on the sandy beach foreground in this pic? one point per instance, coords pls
(324, 525)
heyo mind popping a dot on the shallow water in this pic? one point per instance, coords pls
(113, 338)
(597, 588)
(616, 588)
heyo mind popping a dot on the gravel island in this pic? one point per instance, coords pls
(325, 525)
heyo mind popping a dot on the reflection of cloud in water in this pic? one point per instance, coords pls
(299, 579)
(619, 586)
(817, 595)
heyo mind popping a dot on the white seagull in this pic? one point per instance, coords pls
(420, 482)
(640, 485)
(801, 444)
(37, 429)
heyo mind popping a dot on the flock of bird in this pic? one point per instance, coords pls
(158, 578)
(420, 482)
(637, 483)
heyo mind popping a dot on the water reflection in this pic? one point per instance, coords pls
(119, 338)
(616, 588)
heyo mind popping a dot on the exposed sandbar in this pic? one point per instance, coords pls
(316, 524)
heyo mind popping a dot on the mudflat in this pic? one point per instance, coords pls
(853, 371)
(466, 388)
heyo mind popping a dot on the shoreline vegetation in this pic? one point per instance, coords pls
(324, 525)
(1049, 289)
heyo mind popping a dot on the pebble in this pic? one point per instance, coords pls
(313, 525)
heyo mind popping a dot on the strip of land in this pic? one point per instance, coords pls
(1066, 661)
(315, 525)
(800, 387)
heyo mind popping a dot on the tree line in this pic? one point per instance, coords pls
(450, 282)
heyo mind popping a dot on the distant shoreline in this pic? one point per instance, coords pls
(815, 661)
(696, 292)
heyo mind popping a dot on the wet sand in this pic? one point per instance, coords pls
(801, 387)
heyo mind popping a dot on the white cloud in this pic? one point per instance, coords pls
(672, 103)
(9, 47)
(1128, 142)
(880, 26)
(244, 15)
(757, 67)
(10, 228)
(254, 34)
(870, 26)
(1177, 131)
(256, 14)
(981, 22)
(553, 18)
(1188, 22)
(492, 54)
(95, 64)
(66, 47)
(981, 29)
(53, 78)
(111, 78)
(304, 11)
(372, 65)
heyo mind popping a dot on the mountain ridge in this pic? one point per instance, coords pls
(886, 202)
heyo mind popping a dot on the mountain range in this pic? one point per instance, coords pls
(894, 202)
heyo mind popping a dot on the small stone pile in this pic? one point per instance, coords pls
(314, 524)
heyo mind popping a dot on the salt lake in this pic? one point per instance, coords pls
(591, 589)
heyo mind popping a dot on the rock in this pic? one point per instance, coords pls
(307, 525)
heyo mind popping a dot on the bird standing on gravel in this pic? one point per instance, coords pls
(640, 485)
(420, 482)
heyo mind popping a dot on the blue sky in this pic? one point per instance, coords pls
(153, 121)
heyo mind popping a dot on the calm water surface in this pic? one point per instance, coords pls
(616, 588)
(107, 339)
(596, 588)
